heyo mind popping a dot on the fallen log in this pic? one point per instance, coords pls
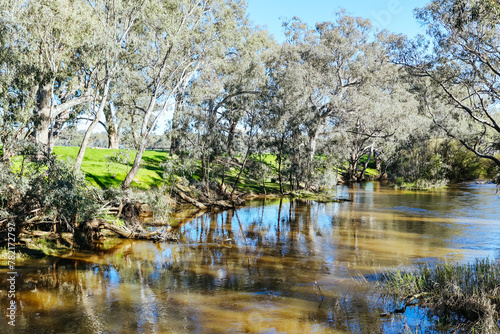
(138, 232)
(188, 199)
(223, 204)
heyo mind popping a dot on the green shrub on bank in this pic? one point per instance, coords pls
(421, 184)
(42, 188)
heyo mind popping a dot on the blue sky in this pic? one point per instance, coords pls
(393, 15)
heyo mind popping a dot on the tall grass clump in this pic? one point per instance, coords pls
(467, 295)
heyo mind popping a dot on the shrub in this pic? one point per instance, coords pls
(42, 188)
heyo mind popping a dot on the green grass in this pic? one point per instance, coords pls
(251, 186)
(106, 168)
(102, 170)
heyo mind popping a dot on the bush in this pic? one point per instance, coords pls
(432, 165)
(463, 165)
(157, 200)
(41, 188)
(326, 179)
(178, 166)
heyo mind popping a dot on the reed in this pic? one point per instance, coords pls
(468, 295)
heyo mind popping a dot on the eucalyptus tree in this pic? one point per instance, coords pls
(385, 110)
(284, 103)
(15, 104)
(227, 91)
(113, 125)
(460, 79)
(330, 63)
(53, 42)
(343, 62)
(336, 73)
(113, 21)
(170, 44)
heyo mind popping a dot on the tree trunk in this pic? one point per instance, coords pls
(230, 138)
(362, 176)
(280, 177)
(114, 140)
(203, 168)
(137, 163)
(175, 142)
(313, 137)
(378, 163)
(88, 133)
(240, 172)
(383, 174)
(43, 114)
(113, 135)
(85, 141)
(229, 150)
(353, 166)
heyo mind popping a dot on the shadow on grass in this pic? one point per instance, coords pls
(103, 181)
(159, 171)
(154, 159)
(246, 185)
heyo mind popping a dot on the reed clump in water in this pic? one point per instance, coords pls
(468, 294)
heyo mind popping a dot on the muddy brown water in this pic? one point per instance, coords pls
(274, 266)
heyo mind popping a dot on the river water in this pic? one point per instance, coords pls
(273, 266)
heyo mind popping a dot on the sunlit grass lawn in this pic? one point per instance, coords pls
(102, 170)
(106, 168)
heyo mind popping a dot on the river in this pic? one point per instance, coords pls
(273, 266)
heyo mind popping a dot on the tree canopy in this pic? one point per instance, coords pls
(219, 92)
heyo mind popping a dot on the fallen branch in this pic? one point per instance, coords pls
(188, 199)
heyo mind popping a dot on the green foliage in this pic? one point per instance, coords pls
(46, 187)
(260, 168)
(464, 165)
(430, 164)
(182, 166)
(157, 200)
(120, 157)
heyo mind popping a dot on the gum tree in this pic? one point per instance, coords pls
(170, 44)
(459, 81)
(113, 21)
(51, 39)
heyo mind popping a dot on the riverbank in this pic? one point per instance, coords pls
(68, 204)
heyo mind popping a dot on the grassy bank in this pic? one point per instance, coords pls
(106, 168)
(464, 297)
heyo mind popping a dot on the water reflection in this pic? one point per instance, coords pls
(287, 266)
